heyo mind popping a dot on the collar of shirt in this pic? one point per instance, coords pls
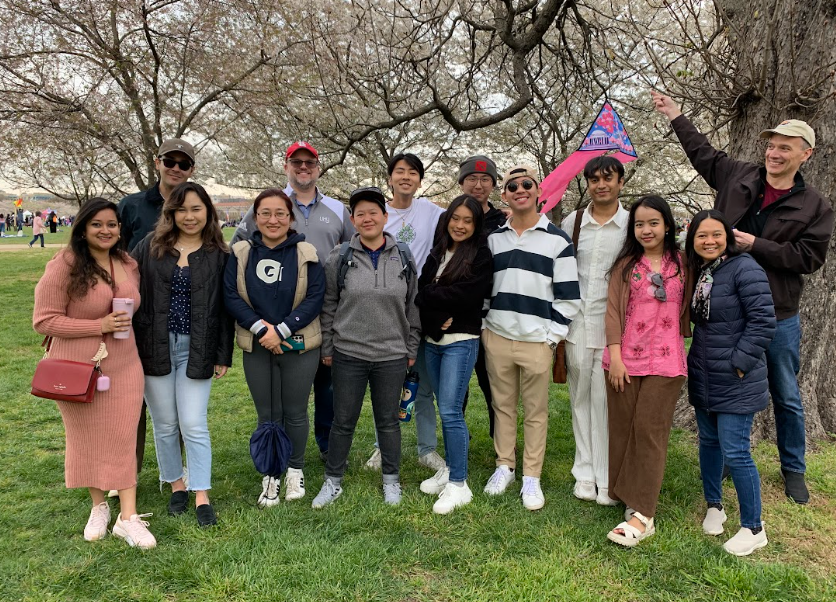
(305, 209)
(620, 218)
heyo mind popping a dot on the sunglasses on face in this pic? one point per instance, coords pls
(514, 186)
(309, 163)
(659, 282)
(170, 163)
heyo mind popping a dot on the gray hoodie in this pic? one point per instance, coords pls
(374, 318)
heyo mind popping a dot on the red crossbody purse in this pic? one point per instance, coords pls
(66, 380)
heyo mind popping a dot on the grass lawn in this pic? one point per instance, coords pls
(61, 237)
(358, 549)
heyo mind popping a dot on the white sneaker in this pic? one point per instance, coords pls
(329, 492)
(135, 531)
(712, 524)
(432, 460)
(603, 498)
(532, 495)
(392, 493)
(452, 496)
(269, 492)
(115, 493)
(585, 490)
(745, 542)
(96, 527)
(500, 479)
(375, 462)
(294, 483)
(436, 483)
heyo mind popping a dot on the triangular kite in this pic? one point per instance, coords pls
(606, 134)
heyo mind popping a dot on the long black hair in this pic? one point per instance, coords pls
(462, 260)
(694, 260)
(85, 269)
(166, 230)
(632, 251)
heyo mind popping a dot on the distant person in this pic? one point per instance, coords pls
(37, 230)
(184, 337)
(2, 225)
(175, 164)
(53, 223)
(73, 305)
(786, 226)
(734, 323)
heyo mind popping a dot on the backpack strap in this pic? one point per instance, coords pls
(407, 261)
(346, 254)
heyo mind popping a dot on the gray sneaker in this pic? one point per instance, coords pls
(392, 493)
(329, 492)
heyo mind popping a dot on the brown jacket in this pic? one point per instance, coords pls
(618, 294)
(796, 234)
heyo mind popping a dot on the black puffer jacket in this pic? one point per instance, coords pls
(211, 327)
(740, 326)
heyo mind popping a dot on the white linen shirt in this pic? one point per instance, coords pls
(598, 246)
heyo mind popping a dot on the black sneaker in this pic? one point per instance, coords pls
(206, 515)
(795, 487)
(178, 503)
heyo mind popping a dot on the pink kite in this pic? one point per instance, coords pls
(606, 134)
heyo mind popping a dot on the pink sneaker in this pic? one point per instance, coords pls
(135, 531)
(97, 523)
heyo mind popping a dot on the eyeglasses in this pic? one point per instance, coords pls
(297, 163)
(514, 186)
(659, 282)
(183, 165)
(483, 180)
(279, 215)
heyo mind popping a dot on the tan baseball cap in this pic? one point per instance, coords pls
(794, 128)
(176, 145)
(520, 171)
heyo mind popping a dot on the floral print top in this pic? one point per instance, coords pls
(651, 344)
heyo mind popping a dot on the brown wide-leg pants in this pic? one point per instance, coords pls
(640, 420)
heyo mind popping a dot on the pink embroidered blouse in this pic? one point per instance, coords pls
(651, 344)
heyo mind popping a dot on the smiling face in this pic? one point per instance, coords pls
(461, 226)
(273, 220)
(302, 169)
(520, 199)
(784, 155)
(604, 188)
(649, 229)
(190, 217)
(479, 186)
(405, 179)
(102, 231)
(172, 176)
(369, 220)
(710, 240)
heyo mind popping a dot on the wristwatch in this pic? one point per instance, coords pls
(261, 333)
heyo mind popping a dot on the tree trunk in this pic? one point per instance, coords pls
(765, 36)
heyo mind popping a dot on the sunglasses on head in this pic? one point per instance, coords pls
(513, 186)
(170, 163)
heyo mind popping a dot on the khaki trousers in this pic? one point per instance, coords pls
(518, 368)
(640, 420)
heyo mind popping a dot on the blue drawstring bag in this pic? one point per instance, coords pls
(270, 448)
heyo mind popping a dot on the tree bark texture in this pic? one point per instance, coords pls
(785, 53)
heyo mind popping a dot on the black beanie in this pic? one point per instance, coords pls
(477, 164)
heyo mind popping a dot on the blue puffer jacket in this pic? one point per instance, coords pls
(740, 327)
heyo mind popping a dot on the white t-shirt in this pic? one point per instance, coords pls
(416, 227)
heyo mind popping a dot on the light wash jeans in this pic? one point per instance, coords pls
(178, 405)
(449, 368)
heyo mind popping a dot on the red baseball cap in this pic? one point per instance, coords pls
(300, 144)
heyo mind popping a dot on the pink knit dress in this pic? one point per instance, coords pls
(101, 436)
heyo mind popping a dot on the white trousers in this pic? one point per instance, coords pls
(588, 396)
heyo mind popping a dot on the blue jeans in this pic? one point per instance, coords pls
(423, 409)
(449, 368)
(725, 438)
(35, 238)
(323, 406)
(178, 405)
(782, 361)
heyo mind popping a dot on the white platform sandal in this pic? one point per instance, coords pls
(630, 535)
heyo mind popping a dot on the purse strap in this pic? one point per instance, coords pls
(576, 232)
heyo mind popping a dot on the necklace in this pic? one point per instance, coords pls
(182, 248)
(406, 233)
